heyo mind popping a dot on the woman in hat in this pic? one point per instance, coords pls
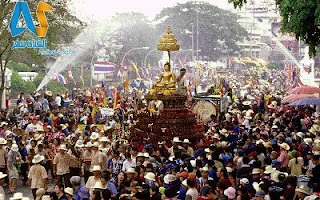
(302, 192)
(295, 164)
(38, 176)
(14, 158)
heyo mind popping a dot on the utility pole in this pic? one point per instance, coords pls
(197, 35)
(192, 45)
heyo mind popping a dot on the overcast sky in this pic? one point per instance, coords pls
(101, 8)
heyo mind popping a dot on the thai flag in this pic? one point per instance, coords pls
(103, 68)
(60, 78)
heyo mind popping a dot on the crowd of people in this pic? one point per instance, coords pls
(77, 146)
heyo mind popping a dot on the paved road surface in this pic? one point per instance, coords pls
(26, 190)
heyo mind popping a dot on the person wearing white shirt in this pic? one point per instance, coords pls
(128, 163)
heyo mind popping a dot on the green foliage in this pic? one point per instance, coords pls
(216, 27)
(300, 17)
(274, 66)
(19, 85)
(19, 67)
(55, 87)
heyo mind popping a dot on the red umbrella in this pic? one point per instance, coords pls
(304, 90)
(295, 97)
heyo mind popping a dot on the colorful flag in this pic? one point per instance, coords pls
(103, 68)
(136, 69)
(115, 102)
(198, 67)
(60, 78)
(126, 84)
(81, 76)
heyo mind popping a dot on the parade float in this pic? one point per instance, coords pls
(166, 114)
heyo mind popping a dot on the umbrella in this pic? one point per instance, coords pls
(307, 101)
(304, 90)
(295, 97)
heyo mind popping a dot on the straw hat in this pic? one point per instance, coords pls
(98, 185)
(150, 176)
(94, 136)
(176, 139)
(204, 169)
(3, 141)
(104, 139)
(37, 159)
(37, 136)
(63, 147)
(229, 169)
(88, 144)
(269, 169)
(95, 168)
(255, 171)
(95, 144)
(285, 146)
(2, 175)
(48, 93)
(216, 136)
(244, 181)
(276, 174)
(246, 103)
(300, 135)
(223, 131)
(39, 193)
(186, 141)
(45, 197)
(146, 155)
(169, 178)
(17, 196)
(3, 124)
(15, 148)
(69, 191)
(303, 189)
(131, 170)
(79, 144)
(184, 183)
(140, 154)
(193, 163)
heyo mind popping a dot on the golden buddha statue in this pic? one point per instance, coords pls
(167, 79)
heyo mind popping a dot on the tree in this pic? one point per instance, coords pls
(19, 85)
(301, 18)
(55, 87)
(63, 26)
(134, 30)
(218, 29)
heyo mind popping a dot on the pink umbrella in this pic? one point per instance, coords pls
(304, 90)
(295, 97)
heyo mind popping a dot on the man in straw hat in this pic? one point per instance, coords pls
(38, 176)
(14, 158)
(96, 171)
(61, 164)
